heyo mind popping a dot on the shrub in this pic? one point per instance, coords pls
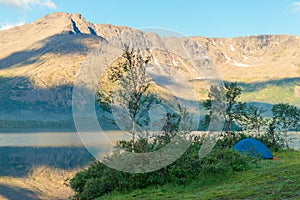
(272, 139)
(99, 179)
(225, 142)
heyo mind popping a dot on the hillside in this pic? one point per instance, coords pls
(39, 61)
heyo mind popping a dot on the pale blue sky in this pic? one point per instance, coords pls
(212, 18)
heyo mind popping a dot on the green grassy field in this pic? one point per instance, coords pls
(271, 94)
(271, 179)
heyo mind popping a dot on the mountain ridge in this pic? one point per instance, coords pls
(39, 61)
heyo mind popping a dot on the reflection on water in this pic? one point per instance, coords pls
(18, 161)
(20, 151)
(39, 138)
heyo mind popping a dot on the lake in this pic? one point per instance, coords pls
(295, 137)
(37, 138)
(50, 138)
(20, 151)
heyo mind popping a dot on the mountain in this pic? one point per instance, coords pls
(39, 62)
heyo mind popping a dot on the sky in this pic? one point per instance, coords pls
(210, 18)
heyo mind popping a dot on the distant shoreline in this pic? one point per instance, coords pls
(36, 130)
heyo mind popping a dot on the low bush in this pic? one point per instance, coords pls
(99, 179)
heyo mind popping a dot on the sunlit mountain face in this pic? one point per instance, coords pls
(39, 62)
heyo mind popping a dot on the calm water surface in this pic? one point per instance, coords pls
(36, 138)
(21, 151)
(58, 138)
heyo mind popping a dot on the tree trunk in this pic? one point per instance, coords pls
(228, 130)
(133, 135)
(286, 140)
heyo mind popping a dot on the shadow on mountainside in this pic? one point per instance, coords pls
(61, 44)
(258, 85)
(21, 100)
(17, 193)
(255, 86)
(19, 161)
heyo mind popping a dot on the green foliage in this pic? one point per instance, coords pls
(131, 60)
(272, 139)
(131, 97)
(287, 117)
(224, 99)
(250, 118)
(99, 179)
(268, 180)
(253, 119)
(225, 161)
(229, 142)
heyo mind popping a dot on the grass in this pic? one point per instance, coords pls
(272, 94)
(270, 179)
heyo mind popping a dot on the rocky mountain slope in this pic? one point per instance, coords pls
(39, 61)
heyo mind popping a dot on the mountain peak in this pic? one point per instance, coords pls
(66, 23)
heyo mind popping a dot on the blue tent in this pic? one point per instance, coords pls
(253, 147)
